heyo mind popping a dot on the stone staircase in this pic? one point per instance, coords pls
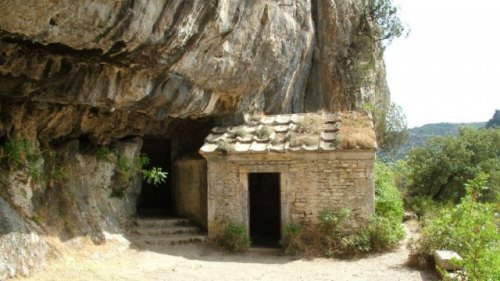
(163, 232)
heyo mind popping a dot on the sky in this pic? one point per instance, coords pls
(448, 68)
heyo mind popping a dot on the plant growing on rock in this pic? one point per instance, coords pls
(18, 154)
(224, 146)
(264, 132)
(307, 130)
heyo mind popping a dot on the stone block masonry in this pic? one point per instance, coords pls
(309, 183)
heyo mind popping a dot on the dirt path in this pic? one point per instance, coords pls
(194, 262)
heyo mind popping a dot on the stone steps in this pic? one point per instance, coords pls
(163, 232)
(178, 239)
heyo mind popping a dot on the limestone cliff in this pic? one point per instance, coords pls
(78, 74)
(156, 60)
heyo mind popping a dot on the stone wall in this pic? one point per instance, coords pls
(190, 189)
(309, 183)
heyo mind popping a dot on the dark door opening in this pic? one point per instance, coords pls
(156, 200)
(265, 218)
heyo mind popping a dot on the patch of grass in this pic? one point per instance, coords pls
(307, 131)
(241, 132)
(264, 132)
(225, 147)
(19, 153)
(356, 132)
(104, 153)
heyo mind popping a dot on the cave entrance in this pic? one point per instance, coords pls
(156, 200)
(264, 189)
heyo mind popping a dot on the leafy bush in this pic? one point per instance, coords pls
(388, 201)
(292, 239)
(234, 238)
(469, 228)
(439, 169)
(384, 233)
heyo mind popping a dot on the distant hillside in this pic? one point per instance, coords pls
(419, 135)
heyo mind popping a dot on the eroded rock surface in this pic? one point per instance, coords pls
(188, 58)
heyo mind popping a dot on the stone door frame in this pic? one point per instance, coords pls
(285, 200)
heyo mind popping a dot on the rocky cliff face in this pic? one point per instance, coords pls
(175, 59)
(106, 72)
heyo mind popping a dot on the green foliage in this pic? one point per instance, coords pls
(385, 229)
(292, 239)
(234, 238)
(331, 222)
(126, 170)
(19, 154)
(424, 207)
(103, 153)
(23, 155)
(469, 228)
(388, 201)
(494, 122)
(418, 136)
(384, 233)
(440, 168)
(390, 128)
(154, 176)
(380, 21)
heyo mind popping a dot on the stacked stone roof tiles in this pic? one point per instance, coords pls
(245, 138)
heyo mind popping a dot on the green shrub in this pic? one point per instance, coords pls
(388, 201)
(292, 243)
(384, 234)
(469, 228)
(234, 238)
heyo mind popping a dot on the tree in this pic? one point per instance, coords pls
(380, 21)
(494, 122)
(441, 167)
(391, 128)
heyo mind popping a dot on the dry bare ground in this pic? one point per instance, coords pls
(195, 262)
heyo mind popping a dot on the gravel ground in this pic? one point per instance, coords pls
(195, 262)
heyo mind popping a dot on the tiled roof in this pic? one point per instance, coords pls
(285, 133)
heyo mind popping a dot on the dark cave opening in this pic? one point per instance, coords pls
(156, 200)
(265, 221)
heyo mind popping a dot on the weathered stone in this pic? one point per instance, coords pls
(443, 259)
(21, 249)
(190, 193)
